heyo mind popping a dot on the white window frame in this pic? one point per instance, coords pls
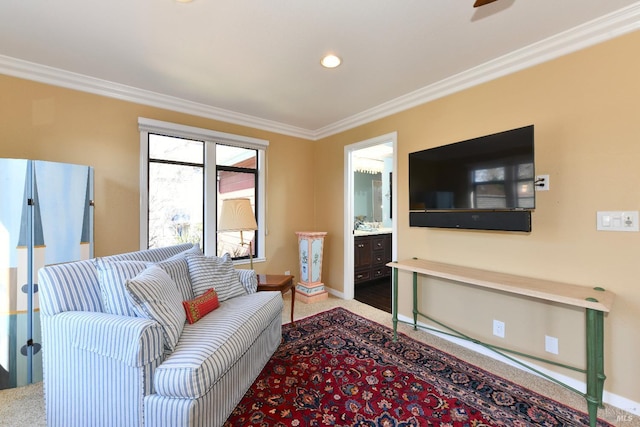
(210, 138)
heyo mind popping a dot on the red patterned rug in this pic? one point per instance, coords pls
(339, 369)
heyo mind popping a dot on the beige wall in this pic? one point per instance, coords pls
(585, 108)
(43, 122)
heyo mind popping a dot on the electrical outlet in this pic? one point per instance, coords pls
(287, 273)
(542, 183)
(551, 344)
(498, 328)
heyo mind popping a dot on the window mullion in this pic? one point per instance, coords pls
(175, 162)
(210, 198)
(144, 190)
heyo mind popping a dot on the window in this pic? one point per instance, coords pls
(237, 176)
(176, 191)
(185, 174)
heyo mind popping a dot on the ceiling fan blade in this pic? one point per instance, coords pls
(479, 3)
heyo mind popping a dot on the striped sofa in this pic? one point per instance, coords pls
(104, 369)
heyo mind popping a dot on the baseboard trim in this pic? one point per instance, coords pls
(335, 293)
(612, 399)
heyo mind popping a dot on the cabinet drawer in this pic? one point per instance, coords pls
(380, 272)
(379, 243)
(379, 258)
(362, 276)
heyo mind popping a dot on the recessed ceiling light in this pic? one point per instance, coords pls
(330, 61)
(184, 1)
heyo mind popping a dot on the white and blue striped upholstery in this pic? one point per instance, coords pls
(178, 270)
(208, 272)
(75, 287)
(98, 367)
(156, 254)
(154, 295)
(194, 250)
(112, 276)
(210, 346)
(212, 409)
(249, 280)
(102, 369)
(69, 287)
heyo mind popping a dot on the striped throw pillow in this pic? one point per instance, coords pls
(249, 280)
(213, 272)
(155, 296)
(178, 270)
(181, 255)
(112, 276)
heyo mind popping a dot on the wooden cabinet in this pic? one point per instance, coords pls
(362, 252)
(371, 253)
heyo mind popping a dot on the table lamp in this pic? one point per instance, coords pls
(237, 215)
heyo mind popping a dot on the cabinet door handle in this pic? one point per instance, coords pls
(359, 276)
(361, 245)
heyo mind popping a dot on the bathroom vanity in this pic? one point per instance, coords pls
(372, 251)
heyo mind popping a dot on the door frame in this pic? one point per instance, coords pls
(348, 288)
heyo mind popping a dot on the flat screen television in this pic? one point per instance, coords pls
(492, 173)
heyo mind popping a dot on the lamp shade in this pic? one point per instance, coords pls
(237, 215)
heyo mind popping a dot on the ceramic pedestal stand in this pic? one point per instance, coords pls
(310, 287)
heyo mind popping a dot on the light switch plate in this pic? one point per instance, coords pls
(617, 221)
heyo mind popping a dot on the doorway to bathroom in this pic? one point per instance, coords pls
(370, 219)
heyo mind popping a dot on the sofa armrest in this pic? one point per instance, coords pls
(133, 341)
(249, 280)
(98, 367)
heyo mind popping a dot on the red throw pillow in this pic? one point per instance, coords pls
(197, 308)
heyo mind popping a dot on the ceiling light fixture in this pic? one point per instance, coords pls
(330, 61)
(184, 1)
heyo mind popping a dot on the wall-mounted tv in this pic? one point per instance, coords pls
(472, 179)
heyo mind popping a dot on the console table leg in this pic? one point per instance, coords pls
(415, 301)
(394, 285)
(595, 362)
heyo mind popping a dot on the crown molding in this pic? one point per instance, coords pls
(57, 77)
(615, 24)
(610, 26)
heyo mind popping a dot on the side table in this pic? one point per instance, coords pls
(278, 282)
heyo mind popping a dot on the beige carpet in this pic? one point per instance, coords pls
(24, 406)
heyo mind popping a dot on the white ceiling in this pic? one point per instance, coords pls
(256, 62)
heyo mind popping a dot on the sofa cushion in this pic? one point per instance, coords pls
(199, 307)
(112, 276)
(178, 270)
(214, 272)
(154, 295)
(209, 348)
(152, 255)
(182, 255)
(72, 286)
(248, 279)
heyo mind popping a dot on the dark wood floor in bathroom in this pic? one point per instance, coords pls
(376, 293)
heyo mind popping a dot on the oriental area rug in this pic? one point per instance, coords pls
(339, 369)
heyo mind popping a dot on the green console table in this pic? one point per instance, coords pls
(595, 301)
